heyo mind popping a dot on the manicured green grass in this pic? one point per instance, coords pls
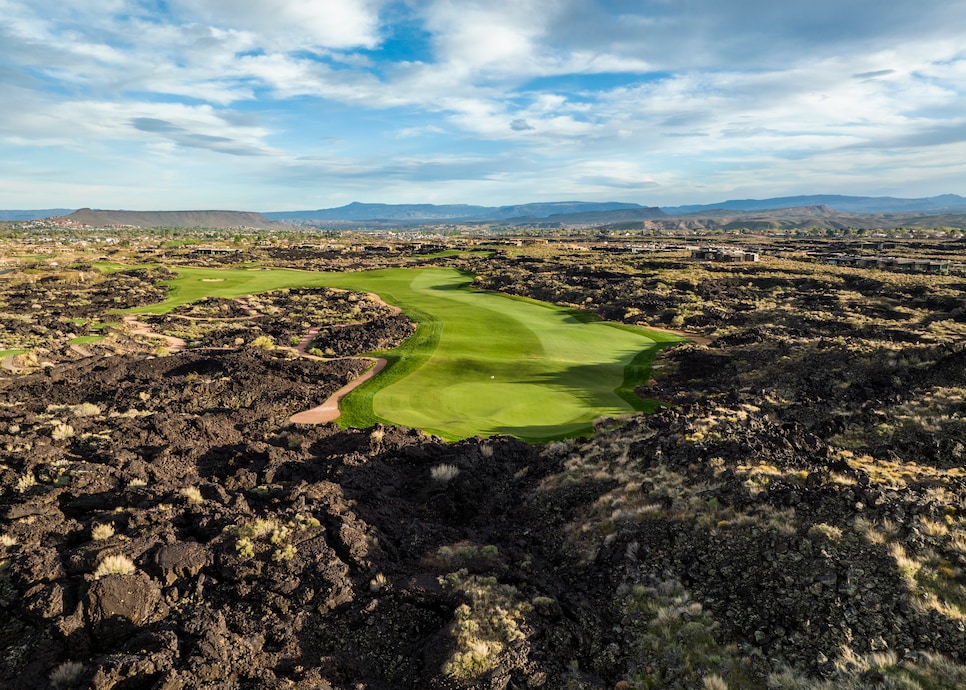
(483, 364)
(193, 284)
(480, 363)
(7, 353)
(85, 340)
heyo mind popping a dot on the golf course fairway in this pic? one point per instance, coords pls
(480, 363)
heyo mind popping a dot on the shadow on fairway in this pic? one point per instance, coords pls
(582, 382)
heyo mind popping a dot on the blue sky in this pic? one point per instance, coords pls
(282, 104)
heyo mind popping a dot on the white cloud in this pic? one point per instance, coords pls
(507, 93)
(475, 34)
(283, 25)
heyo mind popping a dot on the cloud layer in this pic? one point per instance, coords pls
(274, 104)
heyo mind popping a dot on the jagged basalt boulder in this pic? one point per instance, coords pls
(117, 606)
(181, 560)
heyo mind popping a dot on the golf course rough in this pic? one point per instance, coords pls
(480, 363)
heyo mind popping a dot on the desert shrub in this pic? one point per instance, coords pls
(248, 534)
(673, 641)
(461, 554)
(485, 625)
(284, 553)
(245, 548)
(556, 449)
(67, 674)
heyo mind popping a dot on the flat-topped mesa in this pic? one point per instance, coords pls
(171, 219)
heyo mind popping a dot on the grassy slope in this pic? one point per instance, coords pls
(479, 364)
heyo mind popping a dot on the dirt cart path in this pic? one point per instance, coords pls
(329, 410)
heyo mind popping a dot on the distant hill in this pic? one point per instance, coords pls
(944, 203)
(830, 210)
(34, 215)
(589, 217)
(417, 213)
(172, 219)
(794, 218)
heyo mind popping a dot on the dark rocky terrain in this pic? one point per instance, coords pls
(792, 519)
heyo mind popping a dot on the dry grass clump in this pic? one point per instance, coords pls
(192, 494)
(85, 410)
(61, 431)
(67, 674)
(444, 473)
(116, 564)
(852, 671)
(25, 482)
(825, 531)
(378, 583)
(102, 532)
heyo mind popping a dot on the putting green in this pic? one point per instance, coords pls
(480, 363)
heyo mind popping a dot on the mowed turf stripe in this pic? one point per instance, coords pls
(463, 384)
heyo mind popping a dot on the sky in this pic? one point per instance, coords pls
(268, 105)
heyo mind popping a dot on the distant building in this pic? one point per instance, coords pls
(216, 250)
(723, 254)
(889, 263)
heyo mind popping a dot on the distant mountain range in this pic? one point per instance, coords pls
(944, 203)
(34, 215)
(455, 212)
(580, 212)
(553, 213)
(171, 219)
